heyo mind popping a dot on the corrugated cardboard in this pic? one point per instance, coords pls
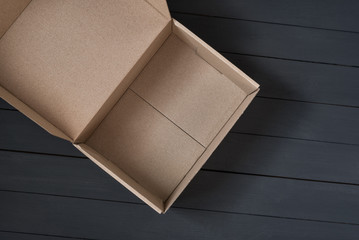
(131, 88)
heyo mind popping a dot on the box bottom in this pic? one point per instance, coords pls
(145, 145)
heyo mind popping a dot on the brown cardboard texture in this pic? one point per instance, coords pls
(131, 88)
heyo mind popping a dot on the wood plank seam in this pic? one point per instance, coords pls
(288, 59)
(184, 208)
(266, 22)
(202, 169)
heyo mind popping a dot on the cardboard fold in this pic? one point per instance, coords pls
(9, 12)
(134, 90)
(161, 6)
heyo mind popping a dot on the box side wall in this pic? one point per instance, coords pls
(30, 113)
(125, 83)
(9, 12)
(188, 91)
(145, 145)
(210, 149)
(121, 177)
(214, 58)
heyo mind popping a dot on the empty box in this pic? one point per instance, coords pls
(130, 87)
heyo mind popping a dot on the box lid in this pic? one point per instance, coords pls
(9, 11)
(161, 6)
(61, 60)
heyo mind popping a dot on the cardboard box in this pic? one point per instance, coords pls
(131, 88)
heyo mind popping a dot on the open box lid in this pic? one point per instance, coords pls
(161, 6)
(60, 61)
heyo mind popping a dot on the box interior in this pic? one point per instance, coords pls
(167, 117)
(186, 89)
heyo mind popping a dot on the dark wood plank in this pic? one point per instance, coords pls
(300, 120)
(109, 220)
(272, 196)
(209, 191)
(332, 14)
(301, 80)
(24, 236)
(286, 158)
(272, 40)
(17, 132)
(59, 175)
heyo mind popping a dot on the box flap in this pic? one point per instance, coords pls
(64, 59)
(9, 11)
(161, 6)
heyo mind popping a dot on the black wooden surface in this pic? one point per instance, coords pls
(289, 169)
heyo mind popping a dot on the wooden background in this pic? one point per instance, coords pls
(289, 169)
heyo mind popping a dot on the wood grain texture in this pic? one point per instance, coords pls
(332, 14)
(301, 81)
(213, 191)
(272, 40)
(108, 220)
(300, 120)
(272, 196)
(286, 158)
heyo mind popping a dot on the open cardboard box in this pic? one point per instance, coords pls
(131, 88)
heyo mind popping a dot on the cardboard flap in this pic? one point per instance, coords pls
(9, 11)
(64, 59)
(161, 6)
